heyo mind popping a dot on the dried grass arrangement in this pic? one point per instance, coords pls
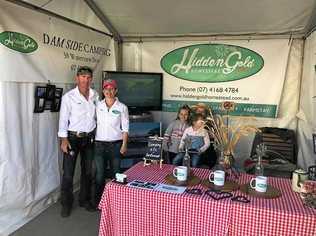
(226, 133)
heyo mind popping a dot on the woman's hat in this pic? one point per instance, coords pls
(109, 83)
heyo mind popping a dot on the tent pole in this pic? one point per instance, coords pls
(119, 56)
(107, 23)
(208, 37)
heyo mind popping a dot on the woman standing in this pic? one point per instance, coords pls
(111, 135)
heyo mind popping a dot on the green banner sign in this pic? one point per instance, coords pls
(18, 42)
(212, 63)
(241, 109)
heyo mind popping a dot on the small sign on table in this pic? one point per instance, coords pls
(154, 151)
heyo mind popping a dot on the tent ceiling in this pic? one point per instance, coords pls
(143, 17)
(76, 10)
(186, 17)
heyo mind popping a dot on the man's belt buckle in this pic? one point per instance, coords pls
(81, 134)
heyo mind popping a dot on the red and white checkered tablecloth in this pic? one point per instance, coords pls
(285, 215)
(131, 211)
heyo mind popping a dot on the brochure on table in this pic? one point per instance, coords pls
(157, 187)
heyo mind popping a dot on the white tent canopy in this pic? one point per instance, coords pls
(141, 29)
(202, 17)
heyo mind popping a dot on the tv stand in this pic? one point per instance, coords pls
(140, 116)
(138, 141)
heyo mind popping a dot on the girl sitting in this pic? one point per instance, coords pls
(175, 131)
(196, 139)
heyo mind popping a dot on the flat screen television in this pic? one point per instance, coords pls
(139, 91)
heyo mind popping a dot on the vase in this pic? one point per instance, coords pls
(225, 161)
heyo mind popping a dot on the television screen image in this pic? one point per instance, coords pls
(138, 91)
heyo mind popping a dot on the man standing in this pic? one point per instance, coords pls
(76, 130)
(111, 135)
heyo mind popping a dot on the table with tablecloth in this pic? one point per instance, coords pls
(132, 211)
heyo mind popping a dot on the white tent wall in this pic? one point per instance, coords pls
(143, 56)
(307, 109)
(30, 157)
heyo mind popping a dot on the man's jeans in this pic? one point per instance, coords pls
(84, 146)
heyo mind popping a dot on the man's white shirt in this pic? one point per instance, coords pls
(111, 122)
(77, 113)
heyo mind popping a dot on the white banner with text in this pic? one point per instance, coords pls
(249, 73)
(37, 48)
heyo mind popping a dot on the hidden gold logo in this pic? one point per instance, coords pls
(18, 42)
(212, 63)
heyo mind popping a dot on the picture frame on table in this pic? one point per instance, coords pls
(40, 99)
(154, 151)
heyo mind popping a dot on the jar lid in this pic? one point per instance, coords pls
(301, 171)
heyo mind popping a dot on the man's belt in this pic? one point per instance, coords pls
(79, 134)
(108, 142)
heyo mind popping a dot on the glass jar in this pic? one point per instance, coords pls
(187, 160)
(260, 150)
(259, 170)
